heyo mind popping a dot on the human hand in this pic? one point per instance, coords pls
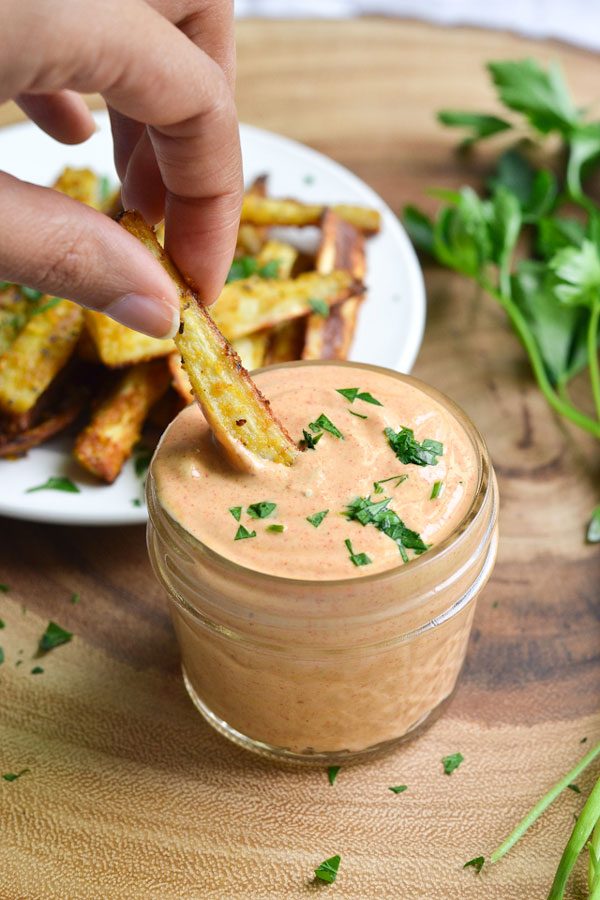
(166, 71)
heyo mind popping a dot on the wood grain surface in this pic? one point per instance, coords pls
(129, 793)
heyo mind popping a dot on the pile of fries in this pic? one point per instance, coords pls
(61, 366)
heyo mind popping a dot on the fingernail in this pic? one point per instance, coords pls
(150, 315)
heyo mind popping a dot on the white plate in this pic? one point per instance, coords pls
(389, 332)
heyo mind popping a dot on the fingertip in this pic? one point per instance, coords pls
(151, 315)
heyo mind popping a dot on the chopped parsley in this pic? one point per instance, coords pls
(358, 415)
(328, 869)
(275, 529)
(142, 460)
(4, 285)
(352, 394)
(261, 510)
(378, 513)
(50, 304)
(476, 863)
(30, 293)
(436, 490)
(245, 266)
(136, 501)
(399, 789)
(322, 423)
(37, 670)
(332, 774)
(408, 450)
(452, 762)
(319, 307)
(75, 598)
(309, 440)
(236, 512)
(12, 776)
(56, 483)
(358, 559)
(4, 589)
(316, 518)
(243, 533)
(1, 655)
(53, 637)
(377, 489)
(575, 788)
(2, 623)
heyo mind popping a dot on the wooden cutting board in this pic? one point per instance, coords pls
(129, 793)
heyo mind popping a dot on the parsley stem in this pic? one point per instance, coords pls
(592, 346)
(528, 340)
(587, 820)
(594, 863)
(543, 804)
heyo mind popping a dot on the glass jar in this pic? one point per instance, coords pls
(327, 671)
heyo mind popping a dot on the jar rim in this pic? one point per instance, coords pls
(434, 554)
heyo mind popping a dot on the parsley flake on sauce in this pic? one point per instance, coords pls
(328, 869)
(358, 559)
(399, 789)
(53, 637)
(378, 513)
(452, 762)
(322, 423)
(56, 483)
(12, 776)
(408, 450)
(332, 774)
(309, 440)
(319, 307)
(37, 670)
(316, 518)
(261, 510)
(243, 533)
(275, 529)
(436, 490)
(352, 394)
(377, 489)
(476, 863)
(236, 512)
(358, 415)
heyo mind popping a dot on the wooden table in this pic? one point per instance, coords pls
(130, 794)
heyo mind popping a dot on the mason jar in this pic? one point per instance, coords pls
(325, 672)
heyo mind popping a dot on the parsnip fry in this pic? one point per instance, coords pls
(38, 353)
(119, 346)
(341, 247)
(255, 303)
(116, 425)
(268, 211)
(238, 414)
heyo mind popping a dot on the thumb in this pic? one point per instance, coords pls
(61, 247)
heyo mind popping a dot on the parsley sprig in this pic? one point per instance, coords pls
(551, 293)
(408, 450)
(378, 513)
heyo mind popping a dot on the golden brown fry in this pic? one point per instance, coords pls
(52, 422)
(14, 312)
(236, 411)
(80, 184)
(250, 237)
(251, 349)
(119, 346)
(281, 253)
(286, 341)
(37, 355)
(342, 246)
(116, 425)
(254, 304)
(180, 380)
(269, 211)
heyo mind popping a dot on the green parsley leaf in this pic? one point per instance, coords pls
(243, 533)
(12, 776)
(408, 450)
(358, 415)
(452, 762)
(367, 512)
(541, 95)
(398, 479)
(593, 531)
(320, 307)
(316, 518)
(136, 501)
(50, 304)
(56, 483)
(236, 512)
(75, 598)
(37, 670)
(349, 393)
(4, 285)
(477, 863)
(270, 269)
(436, 490)
(327, 871)
(53, 637)
(325, 424)
(4, 589)
(368, 398)
(242, 267)
(309, 440)
(2, 623)
(419, 228)
(30, 293)
(398, 789)
(478, 125)
(358, 559)
(142, 460)
(575, 788)
(261, 510)
(275, 529)
(332, 774)
(577, 270)
(1, 655)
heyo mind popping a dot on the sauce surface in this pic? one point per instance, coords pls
(197, 487)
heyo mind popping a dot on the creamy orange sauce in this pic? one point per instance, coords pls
(197, 487)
